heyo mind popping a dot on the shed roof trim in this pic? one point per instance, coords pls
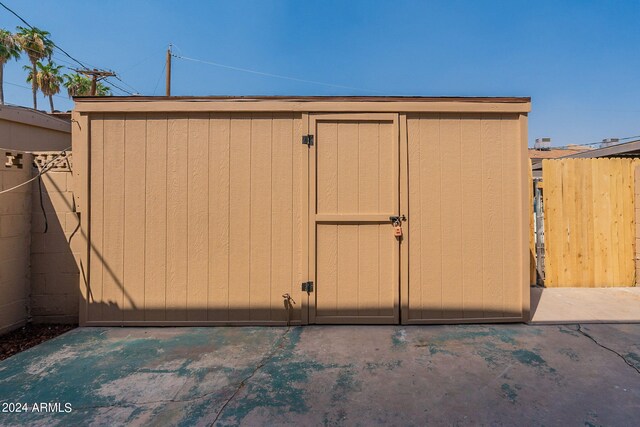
(308, 98)
(303, 104)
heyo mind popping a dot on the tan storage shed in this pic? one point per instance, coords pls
(206, 211)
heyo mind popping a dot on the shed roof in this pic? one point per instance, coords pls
(303, 104)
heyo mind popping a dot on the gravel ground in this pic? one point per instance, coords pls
(29, 336)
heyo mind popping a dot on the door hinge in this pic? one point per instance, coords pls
(307, 287)
(307, 140)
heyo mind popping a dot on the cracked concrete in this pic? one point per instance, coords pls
(331, 375)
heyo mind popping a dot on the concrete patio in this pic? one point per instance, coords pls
(337, 375)
(585, 305)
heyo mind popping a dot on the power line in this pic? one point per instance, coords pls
(126, 84)
(62, 50)
(28, 87)
(118, 87)
(159, 77)
(278, 76)
(52, 42)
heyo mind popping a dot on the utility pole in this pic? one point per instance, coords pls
(95, 75)
(169, 70)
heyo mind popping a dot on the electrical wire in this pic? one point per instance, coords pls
(44, 212)
(118, 87)
(278, 76)
(45, 168)
(52, 42)
(159, 78)
(27, 87)
(64, 51)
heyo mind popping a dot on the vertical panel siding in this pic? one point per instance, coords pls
(219, 196)
(472, 248)
(155, 269)
(451, 211)
(327, 189)
(464, 217)
(113, 217)
(240, 218)
(492, 216)
(96, 254)
(511, 200)
(261, 212)
(414, 154)
(356, 174)
(355, 275)
(282, 223)
(348, 168)
(134, 225)
(198, 216)
(195, 217)
(177, 223)
(589, 222)
(430, 182)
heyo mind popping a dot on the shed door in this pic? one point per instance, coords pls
(354, 190)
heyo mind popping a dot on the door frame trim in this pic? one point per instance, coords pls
(403, 141)
(314, 219)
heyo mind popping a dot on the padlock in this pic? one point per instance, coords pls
(397, 231)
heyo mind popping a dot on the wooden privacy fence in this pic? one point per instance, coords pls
(589, 222)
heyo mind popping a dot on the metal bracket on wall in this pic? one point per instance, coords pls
(307, 140)
(14, 160)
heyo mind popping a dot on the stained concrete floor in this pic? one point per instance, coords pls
(331, 375)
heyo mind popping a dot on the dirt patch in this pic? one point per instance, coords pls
(29, 336)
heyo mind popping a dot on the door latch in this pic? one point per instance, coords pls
(307, 287)
(396, 221)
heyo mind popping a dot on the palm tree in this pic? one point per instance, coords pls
(102, 90)
(79, 85)
(37, 46)
(47, 78)
(9, 49)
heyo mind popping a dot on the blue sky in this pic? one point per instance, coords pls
(578, 60)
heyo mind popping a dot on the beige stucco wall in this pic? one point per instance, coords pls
(15, 221)
(54, 273)
(28, 130)
(38, 281)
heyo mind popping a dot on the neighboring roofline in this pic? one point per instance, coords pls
(613, 150)
(31, 117)
(303, 104)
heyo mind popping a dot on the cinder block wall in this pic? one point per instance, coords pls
(54, 272)
(15, 225)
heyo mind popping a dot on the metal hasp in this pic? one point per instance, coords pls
(307, 140)
(397, 219)
(307, 287)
